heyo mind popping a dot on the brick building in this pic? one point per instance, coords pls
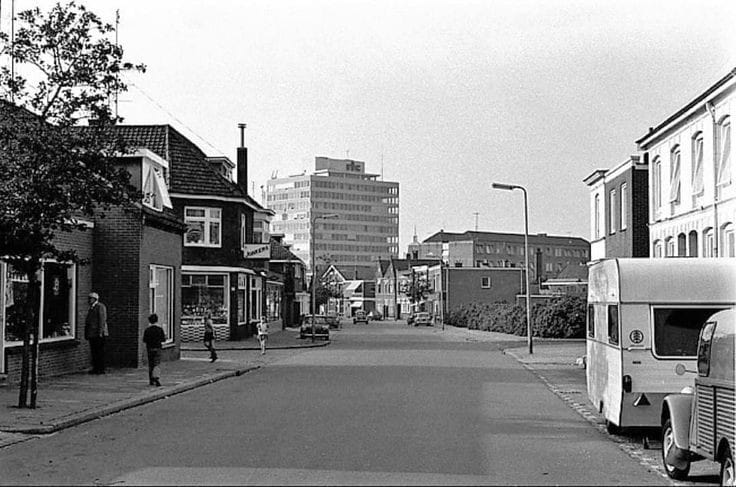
(224, 269)
(619, 206)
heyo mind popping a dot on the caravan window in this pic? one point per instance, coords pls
(613, 324)
(591, 321)
(676, 330)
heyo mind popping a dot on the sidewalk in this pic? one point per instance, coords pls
(68, 400)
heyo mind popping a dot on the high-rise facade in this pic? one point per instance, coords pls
(367, 209)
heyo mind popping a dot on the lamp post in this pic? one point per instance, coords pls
(511, 187)
(314, 269)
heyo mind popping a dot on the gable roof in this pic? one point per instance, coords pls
(190, 172)
(443, 236)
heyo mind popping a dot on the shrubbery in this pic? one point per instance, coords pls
(562, 317)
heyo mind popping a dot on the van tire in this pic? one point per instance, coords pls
(668, 442)
(613, 429)
(728, 471)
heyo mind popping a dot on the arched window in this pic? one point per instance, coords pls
(692, 238)
(724, 151)
(669, 247)
(657, 249)
(708, 242)
(727, 240)
(675, 175)
(697, 166)
(681, 245)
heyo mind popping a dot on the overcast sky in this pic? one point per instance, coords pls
(443, 97)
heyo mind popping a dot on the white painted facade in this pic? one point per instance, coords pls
(692, 203)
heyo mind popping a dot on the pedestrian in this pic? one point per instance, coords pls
(209, 337)
(263, 334)
(95, 331)
(153, 337)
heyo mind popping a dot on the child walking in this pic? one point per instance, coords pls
(209, 337)
(153, 337)
(263, 334)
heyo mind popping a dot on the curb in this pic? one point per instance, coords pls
(124, 404)
(256, 347)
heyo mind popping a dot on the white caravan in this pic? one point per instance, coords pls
(644, 319)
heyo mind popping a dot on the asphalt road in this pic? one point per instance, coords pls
(383, 404)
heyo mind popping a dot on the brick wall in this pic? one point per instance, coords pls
(640, 213)
(464, 286)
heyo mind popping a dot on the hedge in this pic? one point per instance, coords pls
(562, 317)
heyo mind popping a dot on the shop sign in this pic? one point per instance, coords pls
(257, 251)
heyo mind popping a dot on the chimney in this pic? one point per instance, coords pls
(242, 160)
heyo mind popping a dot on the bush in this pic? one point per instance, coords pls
(562, 317)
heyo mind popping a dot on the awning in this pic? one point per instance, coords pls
(356, 304)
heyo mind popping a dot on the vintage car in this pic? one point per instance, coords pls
(360, 317)
(422, 318)
(375, 315)
(333, 320)
(698, 423)
(320, 329)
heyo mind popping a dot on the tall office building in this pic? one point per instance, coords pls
(367, 226)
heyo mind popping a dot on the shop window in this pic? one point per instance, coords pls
(242, 298)
(203, 226)
(202, 294)
(161, 298)
(56, 302)
(692, 249)
(708, 243)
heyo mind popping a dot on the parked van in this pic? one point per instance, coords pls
(700, 422)
(644, 318)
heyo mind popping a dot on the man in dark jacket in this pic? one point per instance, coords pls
(95, 331)
(154, 337)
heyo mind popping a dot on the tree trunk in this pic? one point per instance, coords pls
(36, 295)
(23, 390)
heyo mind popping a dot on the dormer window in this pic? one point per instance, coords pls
(155, 189)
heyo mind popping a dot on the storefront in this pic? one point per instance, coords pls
(57, 304)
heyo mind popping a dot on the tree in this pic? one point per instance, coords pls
(328, 287)
(52, 172)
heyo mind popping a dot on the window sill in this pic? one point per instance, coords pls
(17, 348)
(203, 246)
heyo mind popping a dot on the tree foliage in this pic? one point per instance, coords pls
(52, 173)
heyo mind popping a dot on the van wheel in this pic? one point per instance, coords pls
(613, 429)
(668, 443)
(728, 471)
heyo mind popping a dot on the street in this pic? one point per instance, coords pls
(382, 404)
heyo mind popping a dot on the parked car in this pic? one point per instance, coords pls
(321, 327)
(375, 315)
(422, 318)
(333, 320)
(360, 317)
(698, 423)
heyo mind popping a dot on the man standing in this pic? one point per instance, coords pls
(95, 330)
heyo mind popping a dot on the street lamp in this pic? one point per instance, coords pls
(511, 187)
(314, 269)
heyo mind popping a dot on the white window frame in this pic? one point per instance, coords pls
(657, 184)
(727, 241)
(612, 211)
(675, 185)
(597, 216)
(255, 304)
(211, 215)
(153, 183)
(724, 152)
(72, 272)
(697, 164)
(622, 205)
(669, 247)
(243, 231)
(165, 321)
(485, 282)
(657, 249)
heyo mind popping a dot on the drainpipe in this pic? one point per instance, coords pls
(716, 231)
